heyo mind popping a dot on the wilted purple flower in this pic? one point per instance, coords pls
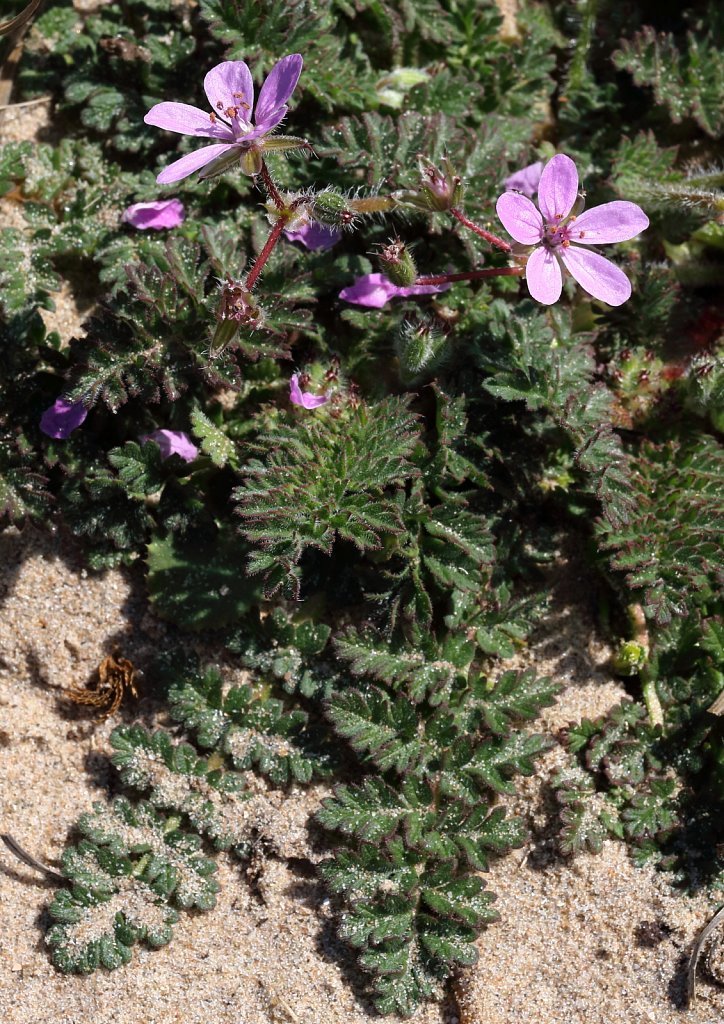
(314, 235)
(165, 213)
(554, 233)
(526, 179)
(173, 442)
(304, 398)
(230, 92)
(62, 418)
(375, 290)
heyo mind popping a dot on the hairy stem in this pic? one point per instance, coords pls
(472, 275)
(266, 252)
(271, 188)
(487, 235)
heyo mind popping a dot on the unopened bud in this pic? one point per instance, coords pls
(441, 189)
(333, 209)
(420, 349)
(397, 263)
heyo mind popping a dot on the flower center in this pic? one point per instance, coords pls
(234, 116)
(558, 232)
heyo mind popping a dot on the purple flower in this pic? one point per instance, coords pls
(526, 179)
(375, 290)
(230, 91)
(62, 418)
(554, 233)
(173, 442)
(314, 235)
(165, 213)
(304, 398)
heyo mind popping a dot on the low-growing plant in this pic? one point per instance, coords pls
(344, 396)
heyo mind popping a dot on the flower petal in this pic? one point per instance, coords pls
(173, 442)
(62, 418)
(372, 290)
(597, 275)
(611, 222)
(520, 218)
(166, 213)
(191, 162)
(526, 179)
(423, 289)
(271, 121)
(230, 85)
(314, 236)
(557, 188)
(187, 120)
(543, 276)
(278, 87)
(304, 398)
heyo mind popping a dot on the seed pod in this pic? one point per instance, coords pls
(397, 263)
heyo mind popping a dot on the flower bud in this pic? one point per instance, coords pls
(333, 209)
(397, 264)
(441, 190)
(420, 349)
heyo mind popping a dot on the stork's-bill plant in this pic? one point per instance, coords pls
(319, 410)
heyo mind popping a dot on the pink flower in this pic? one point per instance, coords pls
(376, 290)
(304, 398)
(554, 233)
(230, 91)
(173, 442)
(314, 235)
(62, 418)
(526, 179)
(165, 213)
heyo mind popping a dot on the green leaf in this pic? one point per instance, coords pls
(516, 697)
(374, 724)
(371, 811)
(214, 442)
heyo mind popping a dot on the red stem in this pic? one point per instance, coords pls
(472, 275)
(264, 255)
(271, 187)
(493, 239)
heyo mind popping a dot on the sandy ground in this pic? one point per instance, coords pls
(591, 940)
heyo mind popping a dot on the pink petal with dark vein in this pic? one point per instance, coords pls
(543, 276)
(187, 120)
(612, 222)
(597, 275)
(278, 87)
(230, 85)
(557, 188)
(190, 163)
(520, 218)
